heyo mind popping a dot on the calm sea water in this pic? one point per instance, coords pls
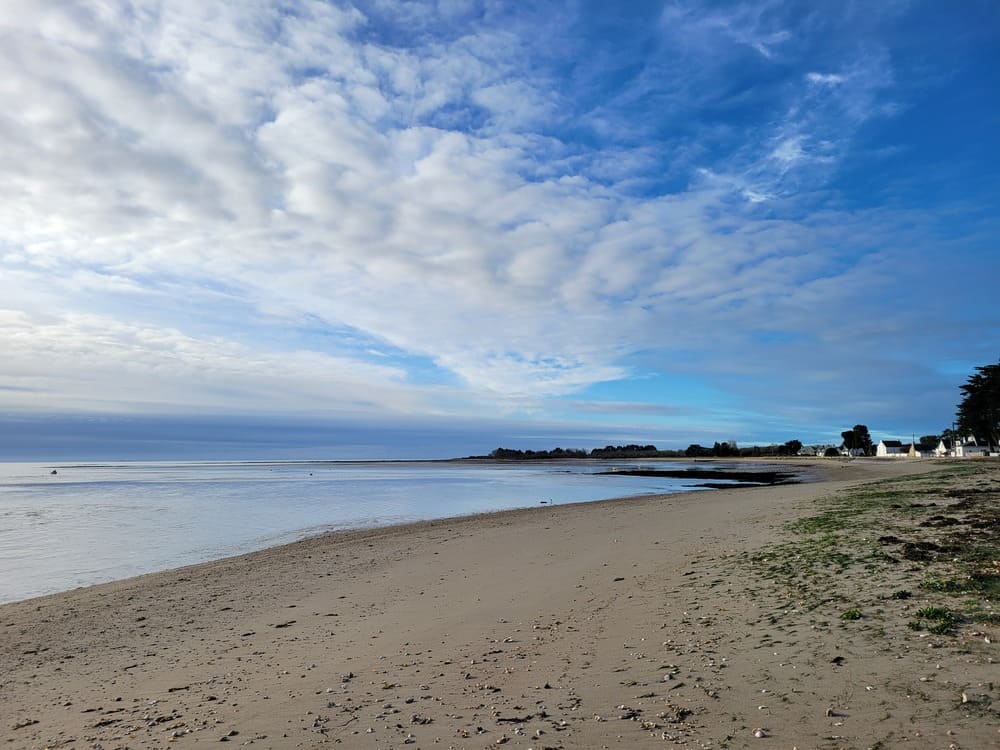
(91, 523)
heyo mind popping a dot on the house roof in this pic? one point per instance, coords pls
(892, 444)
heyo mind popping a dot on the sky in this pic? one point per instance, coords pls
(421, 229)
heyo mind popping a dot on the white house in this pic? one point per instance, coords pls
(891, 448)
(964, 447)
(971, 448)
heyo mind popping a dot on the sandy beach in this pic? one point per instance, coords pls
(764, 617)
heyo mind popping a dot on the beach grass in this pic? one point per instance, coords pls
(931, 537)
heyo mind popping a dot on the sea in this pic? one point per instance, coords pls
(65, 525)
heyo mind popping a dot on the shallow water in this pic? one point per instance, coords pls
(91, 523)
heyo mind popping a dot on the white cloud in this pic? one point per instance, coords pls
(173, 167)
(514, 105)
(754, 25)
(825, 79)
(86, 362)
(789, 151)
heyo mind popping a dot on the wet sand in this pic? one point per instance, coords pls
(646, 622)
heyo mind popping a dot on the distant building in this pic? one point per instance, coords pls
(920, 450)
(946, 447)
(898, 449)
(971, 447)
(890, 449)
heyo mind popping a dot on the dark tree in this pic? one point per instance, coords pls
(697, 451)
(831, 453)
(723, 450)
(864, 439)
(625, 451)
(951, 437)
(979, 411)
(506, 454)
(791, 448)
(858, 438)
(930, 440)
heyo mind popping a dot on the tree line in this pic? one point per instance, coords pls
(718, 450)
(610, 451)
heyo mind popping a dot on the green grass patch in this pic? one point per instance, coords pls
(941, 614)
(939, 620)
(986, 585)
(886, 530)
(977, 614)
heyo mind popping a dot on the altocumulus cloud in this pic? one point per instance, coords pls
(442, 208)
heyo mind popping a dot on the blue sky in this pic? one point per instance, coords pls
(474, 223)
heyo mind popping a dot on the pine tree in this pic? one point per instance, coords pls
(858, 438)
(979, 410)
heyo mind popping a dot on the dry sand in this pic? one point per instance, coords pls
(631, 623)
